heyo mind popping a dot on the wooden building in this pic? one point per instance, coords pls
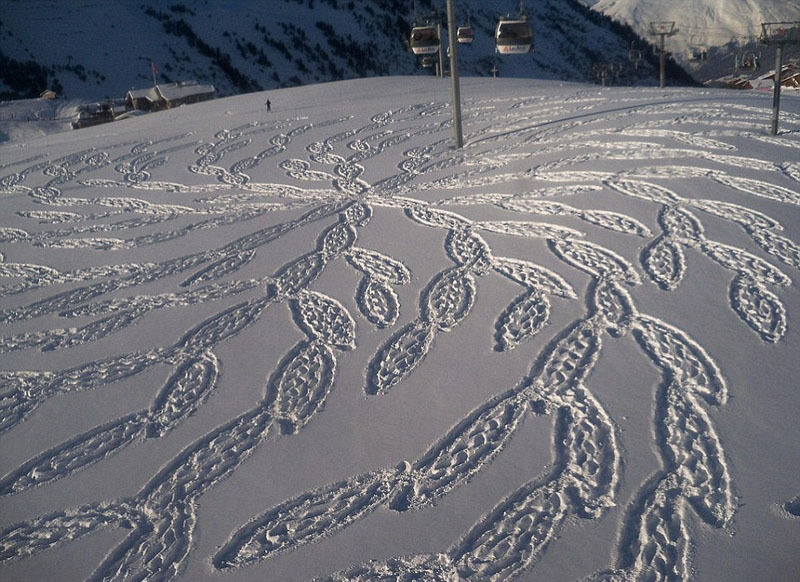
(168, 96)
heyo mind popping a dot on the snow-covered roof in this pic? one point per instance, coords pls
(182, 90)
(149, 93)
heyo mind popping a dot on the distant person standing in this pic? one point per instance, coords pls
(268, 105)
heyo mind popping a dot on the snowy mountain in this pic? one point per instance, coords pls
(731, 27)
(321, 343)
(91, 49)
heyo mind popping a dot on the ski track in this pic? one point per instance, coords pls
(329, 192)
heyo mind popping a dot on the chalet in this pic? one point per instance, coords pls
(48, 94)
(93, 114)
(144, 100)
(168, 96)
(177, 94)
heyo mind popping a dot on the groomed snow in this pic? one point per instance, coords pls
(244, 345)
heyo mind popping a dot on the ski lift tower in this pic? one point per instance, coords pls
(452, 39)
(779, 34)
(663, 30)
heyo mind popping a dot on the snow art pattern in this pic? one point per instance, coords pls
(522, 162)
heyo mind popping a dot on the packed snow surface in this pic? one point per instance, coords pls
(319, 342)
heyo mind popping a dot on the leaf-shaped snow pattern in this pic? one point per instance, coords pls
(745, 263)
(759, 308)
(645, 191)
(75, 454)
(324, 318)
(101, 372)
(529, 229)
(741, 162)
(566, 363)
(301, 383)
(377, 301)
(743, 216)
(588, 445)
(595, 260)
(160, 548)
(13, 235)
(677, 222)
(301, 170)
(379, 266)
(224, 324)
(694, 449)
(435, 217)
(665, 262)
(468, 249)
(513, 535)
(778, 246)
(18, 395)
(533, 276)
(661, 550)
(570, 176)
(430, 568)
(401, 354)
(758, 188)
(615, 221)
(466, 449)
(613, 303)
(449, 298)
(27, 270)
(533, 206)
(683, 359)
(522, 319)
(303, 520)
(357, 214)
(703, 142)
(94, 243)
(183, 393)
(473, 199)
(300, 273)
(98, 329)
(650, 172)
(227, 265)
(31, 537)
(336, 239)
(211, 458)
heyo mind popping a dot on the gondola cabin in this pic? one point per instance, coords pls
(513, 36)
(465, 34)
(424, 40)
(747, 61)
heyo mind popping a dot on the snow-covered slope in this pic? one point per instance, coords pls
(703, 24)
(250, 346)
(96, 50)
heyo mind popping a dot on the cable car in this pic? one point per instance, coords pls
(428, 61)
(465, 34)
(424, 40)
(696, 53)
(747, 61)
(513, 36)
